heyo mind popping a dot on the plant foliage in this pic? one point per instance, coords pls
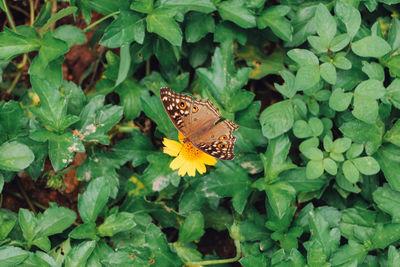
(316, 180)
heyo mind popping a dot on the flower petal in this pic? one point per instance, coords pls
(171, 147)
(177, 163)
(181, 137)
(207, 159)
(191, 168)
(201, 168)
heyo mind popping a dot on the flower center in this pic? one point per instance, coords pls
(189, 151)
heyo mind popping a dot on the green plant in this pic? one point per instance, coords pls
(316, 177)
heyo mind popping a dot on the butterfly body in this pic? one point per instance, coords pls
(200, 122)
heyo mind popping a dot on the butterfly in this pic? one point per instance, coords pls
(201, 124)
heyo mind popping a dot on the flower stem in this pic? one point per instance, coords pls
(100, 20)
(10, 20)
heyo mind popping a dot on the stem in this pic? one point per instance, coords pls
(28, 201)
(100, 20)
(18, 76)
(209, 262)
(32, 12)
(10, 20)
(147, 67)
(53, 11)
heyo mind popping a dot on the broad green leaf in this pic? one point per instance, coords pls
(388, 200)
(62, 149)
(12, 256)
(393, 65)
(154, 109)
(330, 166)
(374, 71)
(229, 180)
(350, 16)
(354, 151)
(393, 256)
(275, 158)
(237, 12)
(301, 129)
(13, 44)
(388, 157)
(198, 25)
(371, 46)
(298, 179)
(158, 175)
(318, 43)
(314, 169)
(130, 93)
(312, 153)
(128, 27)
(341, 62)
(361, 132)
(366, 165)
(12, 118)
(142, 6)
(287, 89)
(348, 254)
(124, 63)
(325, 23)
(328, 73)
(339, 42)
(97, 120)
(350, 172)
(70, 34)
(115, 223)
(15, 156)
(59, 15)
(93, 200)
(187, 253)
(192, 228)
(339, 100)
(1, 189)
(277, 119)
(204, 6)
(274, 17)
(79, 254)
(28, 223)
(254, 260)
(51, 48)
(341, 145)
(385, 234)
(303, 57)
(55, 220)
(280, 195)
(365, 108)
(134, 149)
(161, 21)
(306, 77)
(370, 88)
(155, 239)
(393, 135)
(84, 231)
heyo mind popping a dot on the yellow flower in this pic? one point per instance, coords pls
(188, 157)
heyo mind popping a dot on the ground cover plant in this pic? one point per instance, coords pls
(86, 148)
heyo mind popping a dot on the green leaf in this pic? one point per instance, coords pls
(366, 165)
(124, 64)
(301, 129)
(274, 17)
(28, 223)
(303, 57)
(115, 223)
(62, 149)
(79, 254)
(280, 195)
(275, 158)
(229, 180)
(154, 109)
(97, 120)
(156, 241)
(192, 228)
(330, 166)
(349, 254)
(12, 256)
(277, 119)
(328, 73)
(373, 70)
(314, 169)
(84, 231)
(371, 46)
(128, 27)
(306, 77)
(339, 42)
(388, 157)
(13, 44)
(198, 25)
(93, 200)
(325, 23)
(339, 100)
(350, 172)
(161, 22)
(341, 62)
(385, 234)
(361, 132)
(354, 151)
(135, 149)
(142, 6)
(158, 175)
(70, 34)
(204, 6)
(365, 108)
(51, 48)
(350, 16)
(59, 15)
(388, 200)
(393, 135)
(55, 220)
(341, 145)
(12, 118)
(15, 156)
(237, 12)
